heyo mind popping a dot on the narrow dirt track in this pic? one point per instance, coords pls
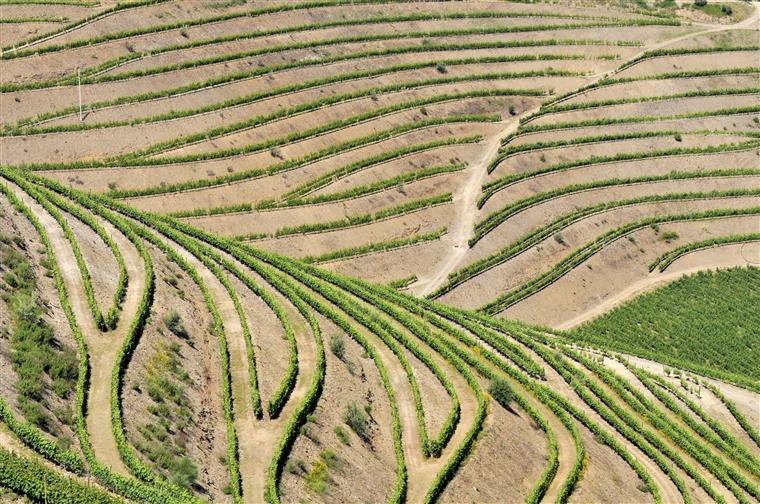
(668, 490)
(257, 439)
(465, 212)
(566, 451)
(647, 284)
(423, 471)
(464, 200)
(102, 347)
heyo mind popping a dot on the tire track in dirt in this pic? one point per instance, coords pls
(102, 347)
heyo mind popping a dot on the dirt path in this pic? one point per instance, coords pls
(257, 439)
(423, 471)
(465, 213)
(754, 19)
(464, 200)
(102, 347)
(646, 284)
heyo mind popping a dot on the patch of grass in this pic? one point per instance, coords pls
(318, 477)
(705, 323)
(668, 236)
(173, 322)
(342, 435)
(35, 351)
(338, 346)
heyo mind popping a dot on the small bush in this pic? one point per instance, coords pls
(700, 3)
(317, 478)
(501, 391)
(296, 466)
(678, 137)
(338, 346)
(342, 434)
(357, 420)
(669, 236)
(173, 322)
(184, 472)
(441, 68)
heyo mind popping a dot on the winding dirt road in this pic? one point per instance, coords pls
(102, 347)
(257, 439)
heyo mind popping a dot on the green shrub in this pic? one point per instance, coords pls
(173, 322)
(342, 434)
(501, 391)
(338, 346)
(318, 477)
(357, 420)
(668, 236)
(183, 472)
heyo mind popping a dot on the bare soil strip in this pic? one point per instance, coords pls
(102, 347)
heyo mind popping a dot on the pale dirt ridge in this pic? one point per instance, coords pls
(102, 347)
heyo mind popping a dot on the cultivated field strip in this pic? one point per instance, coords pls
(574, 173)
(263, 182)
(398, 321)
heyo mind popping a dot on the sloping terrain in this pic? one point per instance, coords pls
(327, 251)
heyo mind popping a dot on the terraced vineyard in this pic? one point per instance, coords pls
(374, 250)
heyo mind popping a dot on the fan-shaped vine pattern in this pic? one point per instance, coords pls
(294, 251)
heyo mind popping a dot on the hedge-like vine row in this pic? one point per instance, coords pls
(663, 261)
(637, 119)
(494, 186)
(310, 5)
(165, 27)
(136, 158)
(532, 237)
(495, 219)
(312, 44)
(299, 296)
(31, 436)
(100, 320)
(391, 337)
(6, 54)
(727, 474)
(123, 486)
(575, 258)
(750, 429)
(136, 466)
(403, 208)
(27, 127)
(684, 51)
(370, 248)
(35, 481)
(292, 164)
(697, 93)
(112, 316)
(374, 187)
(297, 196)
(715, 435)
